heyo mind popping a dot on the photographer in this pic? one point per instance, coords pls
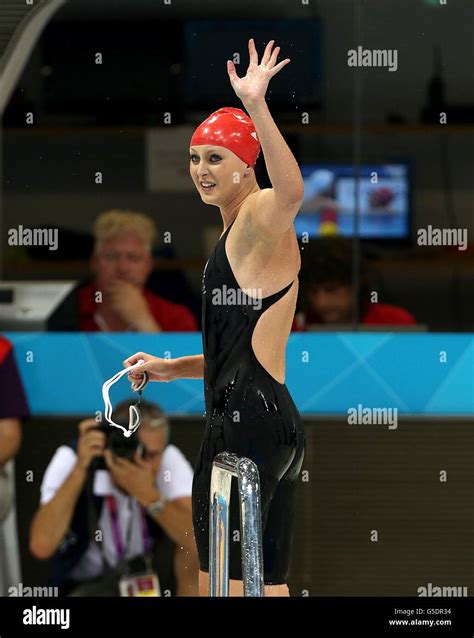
(113, 509)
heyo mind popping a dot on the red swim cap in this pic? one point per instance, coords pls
(231, 128)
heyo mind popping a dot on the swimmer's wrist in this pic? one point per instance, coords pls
(177, 367)
(254, 105)
(188, 367)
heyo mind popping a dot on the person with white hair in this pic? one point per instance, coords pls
(117, 299)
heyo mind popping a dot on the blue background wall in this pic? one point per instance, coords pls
(63, 373)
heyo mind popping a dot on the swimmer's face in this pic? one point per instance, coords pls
(332, 302)
(219, 166)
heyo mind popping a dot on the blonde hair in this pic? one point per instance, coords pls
(115, 222)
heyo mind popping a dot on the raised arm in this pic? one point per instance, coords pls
(275, 208)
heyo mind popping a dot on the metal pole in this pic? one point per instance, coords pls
(251, 527)
(225, 466)
(219, 532)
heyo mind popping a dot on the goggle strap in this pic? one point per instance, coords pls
(134, 413)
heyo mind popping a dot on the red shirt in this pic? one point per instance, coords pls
(377, 314)
(170, 316)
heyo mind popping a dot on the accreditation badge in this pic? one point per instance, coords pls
(146, 584)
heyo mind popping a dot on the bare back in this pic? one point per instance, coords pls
(267, 265)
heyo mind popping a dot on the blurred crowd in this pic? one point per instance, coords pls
(120, 295)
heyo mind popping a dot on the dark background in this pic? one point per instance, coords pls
(90, 117)
(360, 478)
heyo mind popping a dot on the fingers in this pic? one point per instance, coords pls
(253, 52)
(94, 442)
(135, 380)
(268, 49)
(231, 70)
(94, 438)
(279, 66)
(269, 58)
(273, 59)
(87, 424)
(96, 450)
(116, 462)
(139, 460)
(123, 463)
(136, 374)
(134, 358)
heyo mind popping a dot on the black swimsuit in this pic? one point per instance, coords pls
(248, 413)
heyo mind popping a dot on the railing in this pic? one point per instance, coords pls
(225, 466)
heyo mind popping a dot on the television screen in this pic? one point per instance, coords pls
(329, 201)
(209, 43)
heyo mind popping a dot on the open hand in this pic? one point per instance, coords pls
(254, 85)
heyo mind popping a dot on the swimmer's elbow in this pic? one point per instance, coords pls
(289, 198)
(275, 212)
(296, 195)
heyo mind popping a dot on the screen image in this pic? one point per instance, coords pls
(328, 206)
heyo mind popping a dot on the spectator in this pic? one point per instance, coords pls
(327, 289)
(132, 501)
(117, 299)
(13, 406)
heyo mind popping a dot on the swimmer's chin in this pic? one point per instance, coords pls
(209, 198)
(206, 200)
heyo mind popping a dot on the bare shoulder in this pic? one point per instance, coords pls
(272, 214)
(254, 228)
(250, 240)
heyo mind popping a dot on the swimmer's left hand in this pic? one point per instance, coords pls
(254, 85)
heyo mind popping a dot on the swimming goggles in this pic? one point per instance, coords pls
(134, 416)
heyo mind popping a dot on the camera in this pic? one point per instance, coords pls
(120, 445)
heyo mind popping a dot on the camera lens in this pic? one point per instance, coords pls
(120, 445)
